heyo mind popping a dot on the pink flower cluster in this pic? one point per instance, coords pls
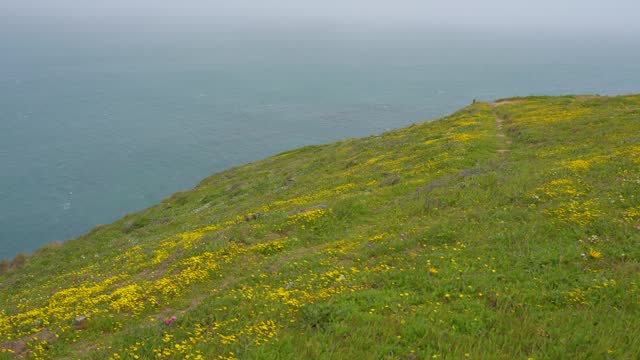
(170, 320)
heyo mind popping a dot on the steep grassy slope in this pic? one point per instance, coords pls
(507, 230)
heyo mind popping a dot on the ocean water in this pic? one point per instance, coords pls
(97, 125)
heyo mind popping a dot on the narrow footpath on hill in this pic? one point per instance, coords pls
(500, 131)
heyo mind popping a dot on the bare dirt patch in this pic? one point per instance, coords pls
(505, 102)
(19, 347)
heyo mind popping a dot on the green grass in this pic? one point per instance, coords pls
(503, 231)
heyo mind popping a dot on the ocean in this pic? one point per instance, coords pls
(100, 124)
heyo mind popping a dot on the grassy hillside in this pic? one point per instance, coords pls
(508, 230)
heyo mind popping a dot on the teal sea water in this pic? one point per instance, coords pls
(97, 125)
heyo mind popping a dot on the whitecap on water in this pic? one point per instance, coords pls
(67, 205)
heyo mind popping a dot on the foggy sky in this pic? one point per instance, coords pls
(544, 15)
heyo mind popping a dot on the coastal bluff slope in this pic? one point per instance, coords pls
(506, 230)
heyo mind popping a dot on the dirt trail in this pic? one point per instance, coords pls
(501, 133)
(505, 102)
